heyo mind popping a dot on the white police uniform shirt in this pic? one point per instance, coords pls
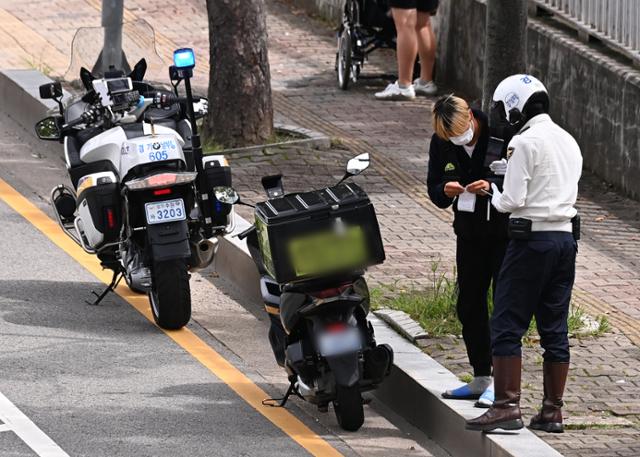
(541, 182)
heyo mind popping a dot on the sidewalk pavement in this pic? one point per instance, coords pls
(603, 395)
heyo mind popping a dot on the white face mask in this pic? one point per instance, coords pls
(463, 139)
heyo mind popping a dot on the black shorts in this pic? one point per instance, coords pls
(425, 6)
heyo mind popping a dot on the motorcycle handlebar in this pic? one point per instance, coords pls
(247, 232)
(164, 99)
(88, 116)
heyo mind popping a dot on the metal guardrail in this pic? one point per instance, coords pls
(614, 22)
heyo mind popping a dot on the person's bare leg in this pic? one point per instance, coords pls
(407, 43)
(426, 45)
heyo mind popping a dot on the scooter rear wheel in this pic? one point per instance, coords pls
(348, 408)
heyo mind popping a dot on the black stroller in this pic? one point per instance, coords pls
(366, 26)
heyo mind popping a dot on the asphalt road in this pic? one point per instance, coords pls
(85, 380)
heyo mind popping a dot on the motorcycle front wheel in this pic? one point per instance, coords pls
(170, 294)
(348, 408)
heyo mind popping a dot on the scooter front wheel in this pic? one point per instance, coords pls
(348, 408)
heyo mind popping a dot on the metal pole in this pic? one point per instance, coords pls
(112, 13)
(112, 55)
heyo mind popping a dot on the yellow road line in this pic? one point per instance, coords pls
(185, 338)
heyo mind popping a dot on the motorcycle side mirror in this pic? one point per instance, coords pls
(356, 166)
(225, 194)
(174, 74)
(273, 186)
(52, 91)
(229, 195)
(201, 107)
(48, 129)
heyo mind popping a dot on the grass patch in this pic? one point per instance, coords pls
(337, 142)
(597, 426)
(434, 307)
(39, 65)
(211, 146)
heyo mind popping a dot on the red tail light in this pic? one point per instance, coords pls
(332, 292)
(335, 327)
(162, 192)
(111, 219)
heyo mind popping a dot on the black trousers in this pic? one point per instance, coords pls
(478, 263)
(536, 280)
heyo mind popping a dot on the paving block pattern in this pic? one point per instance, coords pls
(603, 398)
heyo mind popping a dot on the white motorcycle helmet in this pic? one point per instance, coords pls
(518, 98)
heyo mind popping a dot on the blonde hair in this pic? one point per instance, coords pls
(450, 116)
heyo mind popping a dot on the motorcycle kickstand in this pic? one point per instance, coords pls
(281, 402)
(117, 276)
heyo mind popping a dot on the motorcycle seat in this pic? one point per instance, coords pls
(73, 152)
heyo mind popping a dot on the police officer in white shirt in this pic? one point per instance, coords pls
(538, 271)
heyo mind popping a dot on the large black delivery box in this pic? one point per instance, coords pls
(319, 233)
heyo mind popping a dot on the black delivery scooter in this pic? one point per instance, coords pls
(311, 250)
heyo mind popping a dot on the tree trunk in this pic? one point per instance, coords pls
(506, 44)
(240, 106)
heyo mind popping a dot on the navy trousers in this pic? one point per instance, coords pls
(536, 279)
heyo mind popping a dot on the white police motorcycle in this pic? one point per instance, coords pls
(142, 193)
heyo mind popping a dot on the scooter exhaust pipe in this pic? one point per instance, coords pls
(203, 253)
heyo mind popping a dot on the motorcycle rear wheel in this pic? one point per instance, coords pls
(348, 408)
(170, 295)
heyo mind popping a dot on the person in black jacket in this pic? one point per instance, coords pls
(459, 176)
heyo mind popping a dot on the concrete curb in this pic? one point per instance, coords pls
(402, 323)
(416, 381)
(21, 97)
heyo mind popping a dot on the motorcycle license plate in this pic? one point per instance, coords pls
(337, 343)
(166, 211)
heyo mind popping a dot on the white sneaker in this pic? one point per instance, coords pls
(428, 88)
(395, 92)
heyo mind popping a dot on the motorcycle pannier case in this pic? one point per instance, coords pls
(99, 209)
(218, 173)
(318, 234)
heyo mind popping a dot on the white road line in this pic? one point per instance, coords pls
(27, 431)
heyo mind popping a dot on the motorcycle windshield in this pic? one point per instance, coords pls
(138, 42)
